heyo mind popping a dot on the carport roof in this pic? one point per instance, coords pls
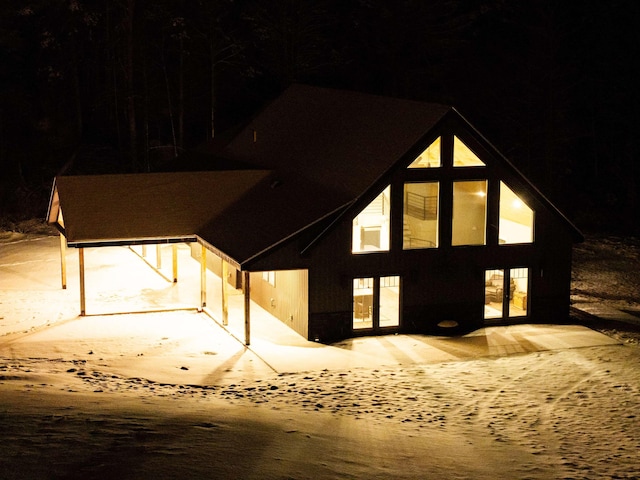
(239, 213)
(123, 209)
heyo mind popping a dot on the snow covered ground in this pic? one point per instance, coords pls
(173, 395)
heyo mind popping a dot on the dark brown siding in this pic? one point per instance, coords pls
(443, 283)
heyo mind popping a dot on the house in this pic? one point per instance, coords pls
(349, 214)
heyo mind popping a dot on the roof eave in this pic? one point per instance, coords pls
(115, 242)
(246, 264)
(230, 260)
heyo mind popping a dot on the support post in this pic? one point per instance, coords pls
(174, 257)
(144, 251)
(83, 309)
(247, 308)
(158, 257)
(203, 276)
(63, 261)
(225, 293)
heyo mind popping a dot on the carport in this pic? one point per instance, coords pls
(148, 210)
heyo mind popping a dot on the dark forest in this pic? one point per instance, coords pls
(97, 86)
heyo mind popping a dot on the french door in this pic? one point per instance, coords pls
(376, 303)
(506, 293)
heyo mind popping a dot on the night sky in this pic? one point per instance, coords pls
(94, 86)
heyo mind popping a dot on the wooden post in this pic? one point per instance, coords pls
(63, 261)
(203, 276)
(158, 257)
(82, 291)
(144, 251)
(225, 293)
(247, 308)
(174, 255)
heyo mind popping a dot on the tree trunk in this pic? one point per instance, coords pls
(212, 59)
(131, 104)
(181, 97)
(170, 104)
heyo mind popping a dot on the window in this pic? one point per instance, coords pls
(269, 277)
(371, 232)
(463, 156)
(420, 216)
(430, 158)
(469, 212)
(516, 218)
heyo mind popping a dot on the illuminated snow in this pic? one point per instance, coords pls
(172, 394)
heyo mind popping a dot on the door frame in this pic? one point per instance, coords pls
(375, 327)
(507, 292)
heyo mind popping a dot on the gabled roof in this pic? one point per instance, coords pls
(110, 209)
(306, 158)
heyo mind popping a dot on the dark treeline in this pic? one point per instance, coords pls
(93, 86)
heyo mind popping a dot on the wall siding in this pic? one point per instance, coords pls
(288, 300)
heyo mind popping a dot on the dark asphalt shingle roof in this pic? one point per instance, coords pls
(339, 139)
(111, 208)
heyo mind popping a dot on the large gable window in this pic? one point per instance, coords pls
(463, 156)
(516, 218)
(420, 215)
(469, 212)
(430, 158)
(371, 231)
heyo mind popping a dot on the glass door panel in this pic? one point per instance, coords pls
(389, 301)
(493, 294)
(363, 303)
(519, 292)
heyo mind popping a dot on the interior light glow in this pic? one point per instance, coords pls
(517, 203)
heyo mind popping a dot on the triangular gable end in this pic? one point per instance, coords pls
(54, 211)
(463, 155)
